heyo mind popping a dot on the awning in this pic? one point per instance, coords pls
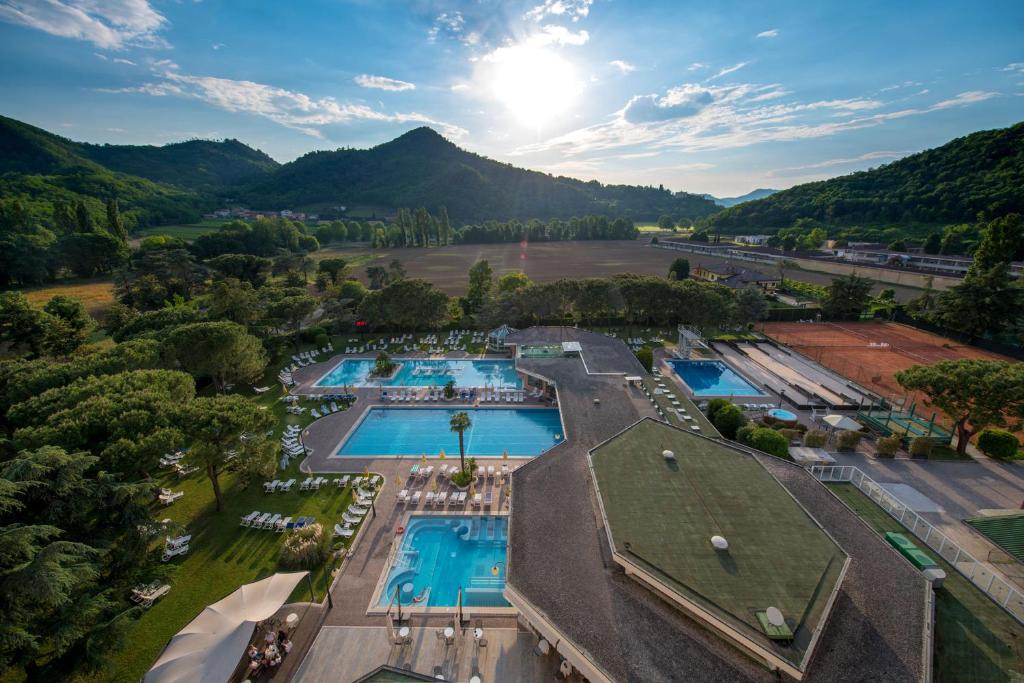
(210, 647)
(842, 422)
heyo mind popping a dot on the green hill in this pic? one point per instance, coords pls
(982, 172)
(421, 168)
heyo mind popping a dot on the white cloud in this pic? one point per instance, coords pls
(460, 87)
(568, 9)
(1014, 67)
(556, 35)
(770, 33)
(700, 117)
(622, 66)
(109, 24)
(288, 108)
(696, 66)
(119, 60)
(869, 156)
(383, 83)
(218, 46)
(452, 25)
(728, 70)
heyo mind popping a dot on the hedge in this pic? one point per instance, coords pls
(998, 443)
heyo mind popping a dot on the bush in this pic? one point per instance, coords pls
(305, 548)
(716, 404)
(815, 439)
(769, 441)
(997, 443)
(743, 433)
(848, 440)
(322, 340)
(921, 447)
(728, 419)
(887, 446)
(791, 435)
(309, 334)
(646, 357)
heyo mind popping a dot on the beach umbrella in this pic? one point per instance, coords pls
(423, 459)
(441, 454)
(504, 454)
(366, 470)
(841, 422)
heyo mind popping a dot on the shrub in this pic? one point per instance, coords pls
(305, 548)
(815, 439)
(728, 419)
(848, 440)
(646, 357)
(921, 447)
(716, 404)
(791, 435)
(743, 433)
(769, 441)
(997, 443)
(887, 446)
(309, 334)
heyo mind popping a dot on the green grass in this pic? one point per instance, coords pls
(948, 453)
(655, 508)
(186, 232)
(975, 640)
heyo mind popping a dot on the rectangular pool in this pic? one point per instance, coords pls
(421, 372)
(440, 554)
(713, 378)
(523, 432)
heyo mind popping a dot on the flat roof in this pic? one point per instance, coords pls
(661, 515)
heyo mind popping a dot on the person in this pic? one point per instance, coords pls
(253, 652)
(281, 636)
(287, 644)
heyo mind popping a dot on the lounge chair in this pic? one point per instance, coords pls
(306, 483)
(170, 553)
(314, 413)
(351, 519)
(429, 498)
(271, 486)
(477, 498)
(343, 482)
(286, 486)
(488, 498)
(170, 497)
(403, 496)
(272, 522)
(441, 498)
(283, 524)
(415, 500)
(343, 531)
(248, 519)
(358, 510)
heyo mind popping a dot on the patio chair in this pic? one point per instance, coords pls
(282, 524)
(343, 482)
(170, 553)
(351, 519)
(248, 519)
(272, 522)
(306, 483)
(440, 499)
(415, 500)
(343, 531)
(271, 486)
(429, 499)
(286, 486)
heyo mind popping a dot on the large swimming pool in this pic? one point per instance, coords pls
(523, 432)
(419, 372)
(712, 378)
(440, 554)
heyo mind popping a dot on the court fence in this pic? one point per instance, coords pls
(978, 573)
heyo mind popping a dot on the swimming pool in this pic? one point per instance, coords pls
(712, 378)
(440, 554)
(421, 372)
(523, 432)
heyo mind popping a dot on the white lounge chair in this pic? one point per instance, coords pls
(248, 519)
(271, 486)
(343, 531)
(282, 525)
(170, 553)
(351, 519)
(441, 499)
(306, 483)
(286, 486)
(272, 522)
(415, 500)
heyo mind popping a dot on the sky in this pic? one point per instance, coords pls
(708, 97)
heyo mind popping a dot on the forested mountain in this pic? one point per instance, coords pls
(43, 169)
(421, 168)
(982, 172)
(196, 164)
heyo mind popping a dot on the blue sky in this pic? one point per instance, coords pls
(715, 97)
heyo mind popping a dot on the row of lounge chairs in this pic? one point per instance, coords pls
(290, 444)
(274, 521)
(756, 406)
(432, 499)
(326, 409)
(305, 358)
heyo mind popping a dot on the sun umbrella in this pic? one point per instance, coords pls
(841, 422)
(504, 454)
(423, 459)
(210, 647)
(441, 455)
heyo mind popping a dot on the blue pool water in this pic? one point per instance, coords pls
(782, 414)
(414, 431)
(440, 554)
(712, 378)
(419, 372)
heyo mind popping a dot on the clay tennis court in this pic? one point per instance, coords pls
(871, 353)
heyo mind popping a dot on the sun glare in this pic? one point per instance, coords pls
(535, 83)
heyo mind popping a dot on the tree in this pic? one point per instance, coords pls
(21, 325)
(378, 277)
(511, 282)
(246, 267)
(728, 419)
(665, 222)
(444, 228)
(751, 306)
(222, 351)
(70, 311)
(409, 304)
(214, 427)
(847, 297)
(646, 357)
(115, 226)
(974, 393)
(459, 423)
(396, 271)
(680, 269)
(234, 300)
(333, 267)
(290, 311)
(480, 283)
(933, 244)
(83, 220)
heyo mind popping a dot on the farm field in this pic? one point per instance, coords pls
(871, 353)
(94, 294)
(185, 232)
(447, 267)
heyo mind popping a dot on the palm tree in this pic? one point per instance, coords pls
(460, 422)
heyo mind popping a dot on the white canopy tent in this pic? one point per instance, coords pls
(836, 421)
(210, 647)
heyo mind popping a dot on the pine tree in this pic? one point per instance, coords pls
(114, 223)
(444, 227)
(83, 221)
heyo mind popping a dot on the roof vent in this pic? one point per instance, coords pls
(668, 455)
(719, 542)
(774, 616)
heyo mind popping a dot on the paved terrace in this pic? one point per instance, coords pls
(560, 562)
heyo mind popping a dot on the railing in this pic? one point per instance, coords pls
(978, 573)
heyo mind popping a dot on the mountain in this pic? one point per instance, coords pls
(42, 168)
(982, 172)
(759, 193)
(196, 164)
(421, 168)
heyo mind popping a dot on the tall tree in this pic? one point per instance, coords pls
(214, 427)
(83, 221)
(847, 297)
(459, 423)
(974, 393)
(115, 225)
(480, 283)
(444, 226)
(680, 269)
(751, 306)
(222, 351)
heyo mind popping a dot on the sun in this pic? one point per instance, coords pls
(535, 83)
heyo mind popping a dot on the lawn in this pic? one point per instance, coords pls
(975, 640)
(187, 232)
(95, 294)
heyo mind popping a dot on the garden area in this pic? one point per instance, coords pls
(975, 640)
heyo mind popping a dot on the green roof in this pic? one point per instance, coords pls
(1006, 531)
(662, 514)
